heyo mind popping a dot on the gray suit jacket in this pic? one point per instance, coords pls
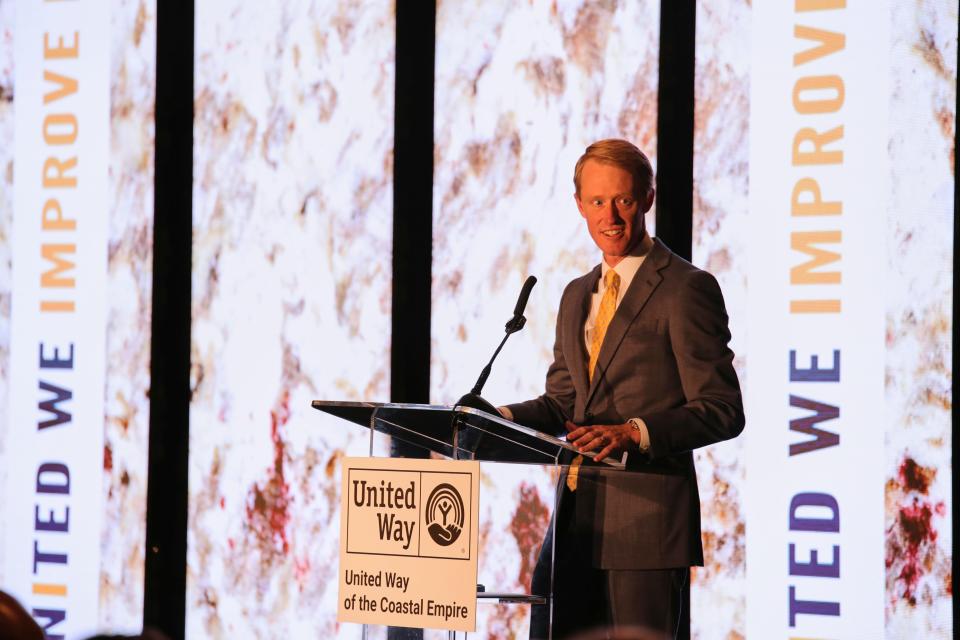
(664, 359)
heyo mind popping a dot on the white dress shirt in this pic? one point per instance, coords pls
(627, 268)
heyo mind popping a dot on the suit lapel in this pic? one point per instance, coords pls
(645, 282)
(574, 349)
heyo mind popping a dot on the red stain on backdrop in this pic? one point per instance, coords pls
(528, 526)
(911, 539)
(268, 503)
(913, 477)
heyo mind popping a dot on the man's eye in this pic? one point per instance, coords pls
(597, 203)
(626, 201)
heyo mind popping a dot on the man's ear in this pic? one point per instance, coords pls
(576, 198)
(648, 202)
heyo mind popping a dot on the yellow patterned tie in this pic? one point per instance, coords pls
(608, 306)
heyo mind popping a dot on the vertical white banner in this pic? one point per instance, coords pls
(815, 441)
(58, 314)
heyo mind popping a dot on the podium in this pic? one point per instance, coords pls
(466, 433)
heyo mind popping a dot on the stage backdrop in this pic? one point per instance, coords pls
(76, 219)
(521, 90)
(824, 182)
(292, 230)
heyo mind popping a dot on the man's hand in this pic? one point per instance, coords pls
(608, 438)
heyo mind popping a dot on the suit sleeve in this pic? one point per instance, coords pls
(548, 412)
(699, 338)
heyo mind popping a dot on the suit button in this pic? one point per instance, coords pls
(588, 415)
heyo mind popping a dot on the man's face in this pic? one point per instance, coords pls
(612, 209)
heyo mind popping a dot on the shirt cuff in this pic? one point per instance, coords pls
(641, 426)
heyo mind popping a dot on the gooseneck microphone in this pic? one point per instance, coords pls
(514, 324)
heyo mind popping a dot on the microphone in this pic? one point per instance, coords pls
(514, 324)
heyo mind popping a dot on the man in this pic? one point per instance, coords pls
(641, 365)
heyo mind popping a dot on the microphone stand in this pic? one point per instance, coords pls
(474, 399)
(514, 324)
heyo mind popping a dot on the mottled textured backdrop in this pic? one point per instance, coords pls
(521, 90)
(129, 292)
(6, 225)
(292, 225)
(919, 292)
(720, 234)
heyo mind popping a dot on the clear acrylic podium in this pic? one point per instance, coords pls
(463, 433)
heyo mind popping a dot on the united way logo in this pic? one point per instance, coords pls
(444, 514)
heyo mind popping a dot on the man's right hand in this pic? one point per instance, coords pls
(608, 438)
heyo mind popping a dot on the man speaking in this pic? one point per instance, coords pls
(641, 365)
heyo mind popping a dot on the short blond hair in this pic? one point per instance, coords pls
(619, 153)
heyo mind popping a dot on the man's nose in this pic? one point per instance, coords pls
(613, 211)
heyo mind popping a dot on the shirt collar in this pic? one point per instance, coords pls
(629, 265)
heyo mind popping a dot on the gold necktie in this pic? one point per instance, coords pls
(608, 306)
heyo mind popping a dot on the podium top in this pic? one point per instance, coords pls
(459, 432)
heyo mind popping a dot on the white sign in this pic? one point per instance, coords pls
(815, 440)
(54, 489)
(408, 543)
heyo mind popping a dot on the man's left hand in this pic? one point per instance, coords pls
(606, 439)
